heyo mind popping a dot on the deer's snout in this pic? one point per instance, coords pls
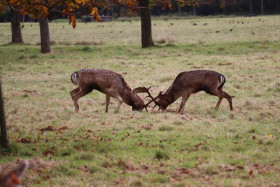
(137, 109)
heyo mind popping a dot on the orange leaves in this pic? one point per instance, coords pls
(72, 19)
(93, 11)
(95, 14)
(14, 180)
(222, 3)
(74, 23)
(82, 2)
(79, 1)
(38, 8)
(168, 4)
(44, 11)
(193, 3)
(251, 173)
(165, 3)
(23, 140)
(14, 2)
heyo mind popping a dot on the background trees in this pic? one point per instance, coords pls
(39, 9)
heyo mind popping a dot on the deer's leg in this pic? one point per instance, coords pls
(228, 97)
(74, 92)
(218, 103)
(219, 94)
(77, 96)
(120, 102)
(185, 97)
(107, 102)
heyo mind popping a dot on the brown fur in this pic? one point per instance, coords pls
(108, 82)
(189, 82)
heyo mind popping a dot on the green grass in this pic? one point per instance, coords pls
(201, 147)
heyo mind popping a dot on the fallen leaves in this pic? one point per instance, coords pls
(251, 173)
(23, 140)
(147, 127)
(32, 92)
(48, 153)
(187, 118)
(51, 128)
(226, 167)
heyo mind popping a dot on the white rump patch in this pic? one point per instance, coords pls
(74, 78)
(222, 79)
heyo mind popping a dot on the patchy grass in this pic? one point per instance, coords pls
(201, 147)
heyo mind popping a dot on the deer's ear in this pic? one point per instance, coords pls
(12, 177)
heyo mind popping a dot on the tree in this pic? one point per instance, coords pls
(146, 25)
(3, 133)
(262, 6)
(40, 10)
(71, 8)
(45, 35)
(251, 6)
(15, 25)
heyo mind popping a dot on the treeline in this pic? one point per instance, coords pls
(238, 7)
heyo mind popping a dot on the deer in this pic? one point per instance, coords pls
(12, 178)
(190, 82)
(109, 83)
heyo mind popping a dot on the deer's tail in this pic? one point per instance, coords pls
(74, 78)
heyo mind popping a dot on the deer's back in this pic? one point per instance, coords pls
(196, 80)
(101, 79)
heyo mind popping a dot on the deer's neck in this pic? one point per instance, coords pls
(173, 93)
(131, 98)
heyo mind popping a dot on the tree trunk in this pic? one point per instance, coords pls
(45, 36)
(251, 7)
(179, 9)
(277, 6)
(194, 11)
(16, 30)
(225, 10)
(262, 6)
(4, 134)
(146, 24)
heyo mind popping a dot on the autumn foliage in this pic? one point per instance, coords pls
(70, 8)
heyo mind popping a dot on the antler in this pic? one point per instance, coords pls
(154, 99)
(146, 90)
(141, 90)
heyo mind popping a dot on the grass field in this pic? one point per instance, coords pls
(202, 147)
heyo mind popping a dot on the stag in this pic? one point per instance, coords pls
(111, 84)
(190, 82)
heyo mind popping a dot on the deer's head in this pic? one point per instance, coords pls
(163, 101)
(138, 103)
